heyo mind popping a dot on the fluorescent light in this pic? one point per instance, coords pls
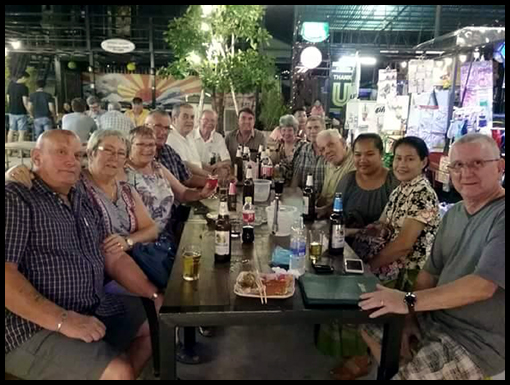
(16, 44)
(434, 52)
(419, 52)
(403, 64)
(6, 51)
(368, 61)
(462, 58)
(347, 61)
(386, 51)
(476, 55)
(448, 61)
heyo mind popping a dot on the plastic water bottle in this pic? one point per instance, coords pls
(298, 248)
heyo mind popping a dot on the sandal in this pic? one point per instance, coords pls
(352, 368)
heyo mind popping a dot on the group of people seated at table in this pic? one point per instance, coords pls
(68, 228)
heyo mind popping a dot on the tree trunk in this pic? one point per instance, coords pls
(200, 108)
(218, 101)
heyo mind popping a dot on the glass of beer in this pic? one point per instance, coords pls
(316, 242)
(191, 263)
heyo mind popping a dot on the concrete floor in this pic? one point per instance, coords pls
(258, 353)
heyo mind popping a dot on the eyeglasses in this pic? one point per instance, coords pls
(160, 126)
(110, 152)
(475, 165)
(145, 145)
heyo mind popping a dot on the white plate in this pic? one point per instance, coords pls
(239, 291)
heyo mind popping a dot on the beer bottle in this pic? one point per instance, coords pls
(259, 161)
(222, 236)
(267, 166)
(248, 221)
(232, 197)
(309, 200)
(337, 228)
(238, 166)
(246, 159)
(249, 187)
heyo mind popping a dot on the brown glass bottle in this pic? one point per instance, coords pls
(222, 236)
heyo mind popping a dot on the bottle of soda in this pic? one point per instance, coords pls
(249, 187)
(259, 161)
(232, 197)
(223, 244)
(337, 228)
(238, 166)
(248, 221)
(246, 159)
(309, 200)
(267, 166)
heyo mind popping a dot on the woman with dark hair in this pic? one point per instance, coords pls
(413, 214)
(366, 191)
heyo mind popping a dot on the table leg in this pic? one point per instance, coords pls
(168, 352)
(390, 353)
(190, 338)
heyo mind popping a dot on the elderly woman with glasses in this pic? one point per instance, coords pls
(156, 185)
(286, 147)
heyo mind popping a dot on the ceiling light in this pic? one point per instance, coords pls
(403, 64)
(6, 51)
(16, 44)
(463, 58)
(448, 61)
(368, 61)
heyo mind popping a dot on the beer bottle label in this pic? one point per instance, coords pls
(306, 205)
(338, 237)
(267, 171)
(235, 170)
(222, 242)
(248, 216)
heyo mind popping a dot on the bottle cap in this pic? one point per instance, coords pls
(232, 189)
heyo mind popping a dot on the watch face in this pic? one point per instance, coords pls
(410, 299)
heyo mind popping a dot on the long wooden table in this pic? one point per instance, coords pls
(210, 301)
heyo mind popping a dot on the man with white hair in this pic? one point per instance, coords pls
(114, 119)
(210, 144)
(460, 293)
(340, 162)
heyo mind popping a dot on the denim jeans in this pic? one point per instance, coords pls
(18, 122)
(41, 125)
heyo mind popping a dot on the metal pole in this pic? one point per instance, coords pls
(451, 98)
(437, 29)
(58, 83)
(293, 65)
(89, 50)
(153, 65)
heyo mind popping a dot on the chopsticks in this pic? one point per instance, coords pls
(261, 287)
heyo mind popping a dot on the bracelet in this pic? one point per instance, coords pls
(63, 317)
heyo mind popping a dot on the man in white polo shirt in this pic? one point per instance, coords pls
(181, 138)
(211, 145)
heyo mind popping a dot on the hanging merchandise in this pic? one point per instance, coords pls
(396, 113)
(421, 76)
(387, 86)
(428, 118)
(476, 92)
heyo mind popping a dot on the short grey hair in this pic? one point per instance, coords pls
(98, 136)
(289, 121)
(93, 100)
(479, 138)
(331, 134)
(158, 112)
(209, 112)
(176, 110)
(114, 106)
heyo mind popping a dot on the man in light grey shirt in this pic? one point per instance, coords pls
(78, 122)
(115, 120)
(461, 290)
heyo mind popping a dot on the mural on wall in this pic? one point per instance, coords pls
(124, 87)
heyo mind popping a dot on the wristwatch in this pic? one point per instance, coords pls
(154, 297)
(130, 242)
(410, 301)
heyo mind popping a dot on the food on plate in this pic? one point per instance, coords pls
(275, 284)
(248, 281)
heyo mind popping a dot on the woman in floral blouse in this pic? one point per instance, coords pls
(412, 212)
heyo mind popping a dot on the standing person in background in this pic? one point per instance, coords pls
(137, 113)
(78, 121)
(95, 111)
(300, 115)
(42, 109)
(116, 120)
(17, 97)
